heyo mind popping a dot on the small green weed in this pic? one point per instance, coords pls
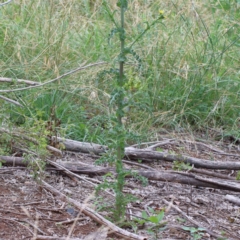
(181, 166)
(196, 233)
(155, 219)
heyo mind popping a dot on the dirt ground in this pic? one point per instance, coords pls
(28, 210)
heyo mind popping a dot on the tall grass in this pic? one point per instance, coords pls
(185, 73)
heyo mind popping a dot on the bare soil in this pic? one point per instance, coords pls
(28, 210)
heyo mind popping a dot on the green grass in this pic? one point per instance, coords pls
(188, 76)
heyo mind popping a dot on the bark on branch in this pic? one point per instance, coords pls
(164, 176)
(148, 155)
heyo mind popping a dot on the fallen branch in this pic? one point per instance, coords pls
(143, 154)
(233, 199)
(147, 154)
(164, 176)
(92, 214)
(190, 179)
(12, 80)
(84, 147)
(211, 173)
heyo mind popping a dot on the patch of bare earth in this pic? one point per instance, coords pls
(29, 211)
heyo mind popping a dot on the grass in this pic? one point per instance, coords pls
(185, 73)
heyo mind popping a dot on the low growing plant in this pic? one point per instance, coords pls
(156, 221)
(196, 233)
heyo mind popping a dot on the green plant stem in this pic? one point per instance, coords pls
(121, 137)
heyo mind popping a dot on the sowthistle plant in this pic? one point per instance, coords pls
(118, 101)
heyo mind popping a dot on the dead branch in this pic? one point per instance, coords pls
(233, 199)
(223, 183)
(12, 80)
(147, 154)
(164, 176)
(144, 154)
(11, 101)
(92, 214)
(1, 4)
(53, 80)
(211, 173)
(190, 179)
(70, 173)
(84, 147)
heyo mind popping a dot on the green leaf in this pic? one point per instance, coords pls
(144, 215)
(160, 216)
(153, 219)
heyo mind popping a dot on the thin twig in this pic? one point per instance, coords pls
(154, 142)
(71, 220)
(53, 80)
(30, 203)
(138, 164)
(160, 144)
(1, 4)
(11, 101)
(12, 80)
(74, 175)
